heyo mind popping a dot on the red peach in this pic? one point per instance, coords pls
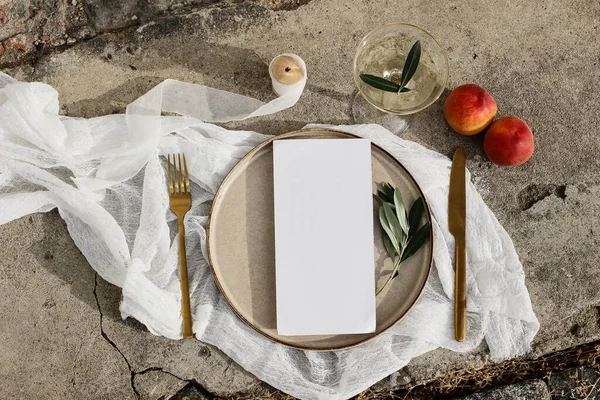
(508, 141)
(469, 109)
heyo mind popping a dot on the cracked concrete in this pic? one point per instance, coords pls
(537, 59)
(189, 360)
(105, 336)
(31, 28)
(152, 384)
(49, 323)
(67, 335)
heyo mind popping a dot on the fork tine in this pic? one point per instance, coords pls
(169, 173)
(187, 176)
(181, 177)
(173, 181)
(176, 175)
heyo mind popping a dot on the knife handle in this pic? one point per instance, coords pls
(460, 294)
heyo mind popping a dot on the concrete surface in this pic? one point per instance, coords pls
(530, 390)
(61, 326)
(62, 331)
(29, 28)
(578, 383)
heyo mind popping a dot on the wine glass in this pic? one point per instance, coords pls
(382, 52)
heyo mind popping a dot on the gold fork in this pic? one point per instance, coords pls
(180, 198)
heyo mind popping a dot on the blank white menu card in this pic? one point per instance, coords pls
(324, 250)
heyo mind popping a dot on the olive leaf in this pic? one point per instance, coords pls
(389, 247)
(415, 215)
(400, 211)
(382, 83)
(393, 222)
(416, 241)
(411, 63)
(389, 193)
(402, 236)
(387, 231)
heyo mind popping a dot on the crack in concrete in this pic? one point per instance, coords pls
(192, 382)
(133, 373)
(105, 336)
(33, 57)
(289, 5)
(535, 193)
(462, 382)
(200, 388)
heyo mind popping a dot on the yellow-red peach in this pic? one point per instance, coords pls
(508, 141)
(469, 109)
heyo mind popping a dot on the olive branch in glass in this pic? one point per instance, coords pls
(410, 67)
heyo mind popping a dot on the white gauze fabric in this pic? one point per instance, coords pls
(106, 177)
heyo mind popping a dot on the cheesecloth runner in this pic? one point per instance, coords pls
(106, 176)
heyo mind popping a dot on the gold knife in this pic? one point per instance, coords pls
(456, 224)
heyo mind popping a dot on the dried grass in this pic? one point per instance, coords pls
(473, 379)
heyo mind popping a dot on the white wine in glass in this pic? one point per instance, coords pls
(382, 53)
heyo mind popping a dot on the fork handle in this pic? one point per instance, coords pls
(185, 290)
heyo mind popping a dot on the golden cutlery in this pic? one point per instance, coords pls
(180, 199)
(456, 224)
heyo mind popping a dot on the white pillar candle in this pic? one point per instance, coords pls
(288, 72)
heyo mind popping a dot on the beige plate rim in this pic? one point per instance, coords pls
(233, 170)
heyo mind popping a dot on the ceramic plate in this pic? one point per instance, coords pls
(241, 248)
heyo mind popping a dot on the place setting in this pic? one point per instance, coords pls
(297, 192)
(321, 260)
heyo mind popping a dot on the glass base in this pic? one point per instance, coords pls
(364, 113)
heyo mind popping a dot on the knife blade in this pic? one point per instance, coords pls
(456, 224)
